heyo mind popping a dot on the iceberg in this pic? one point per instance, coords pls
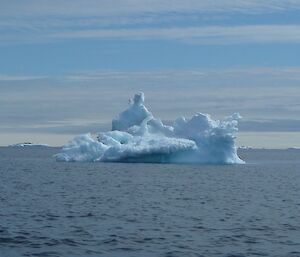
(137, 136)
(28, 144)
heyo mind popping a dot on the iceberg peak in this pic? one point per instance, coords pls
(138, 99)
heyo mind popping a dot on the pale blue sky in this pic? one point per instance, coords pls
(68, 67)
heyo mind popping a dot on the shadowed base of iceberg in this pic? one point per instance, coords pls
(137, 136)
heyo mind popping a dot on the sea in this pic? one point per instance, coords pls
(50, 208)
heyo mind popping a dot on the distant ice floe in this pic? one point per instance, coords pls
(294, 148)
(27, 144)
(137, 136)
(245, 147)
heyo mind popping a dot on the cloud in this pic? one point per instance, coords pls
(7, 78)
(260, 73)
(276, 125)
(255, 92)
(266, 74)
(121, 7)
(86, 101)
(58, 128)
(202, 22)
(202, 35)
(218, 35)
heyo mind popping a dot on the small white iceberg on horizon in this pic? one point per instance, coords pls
(28, 144)
(137, 136)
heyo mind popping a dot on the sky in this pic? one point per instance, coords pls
(69, 67)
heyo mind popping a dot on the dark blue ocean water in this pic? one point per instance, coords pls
(105, 209)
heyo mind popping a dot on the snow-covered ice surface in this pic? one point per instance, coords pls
(137, 136)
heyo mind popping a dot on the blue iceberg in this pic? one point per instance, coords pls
(137, 136)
